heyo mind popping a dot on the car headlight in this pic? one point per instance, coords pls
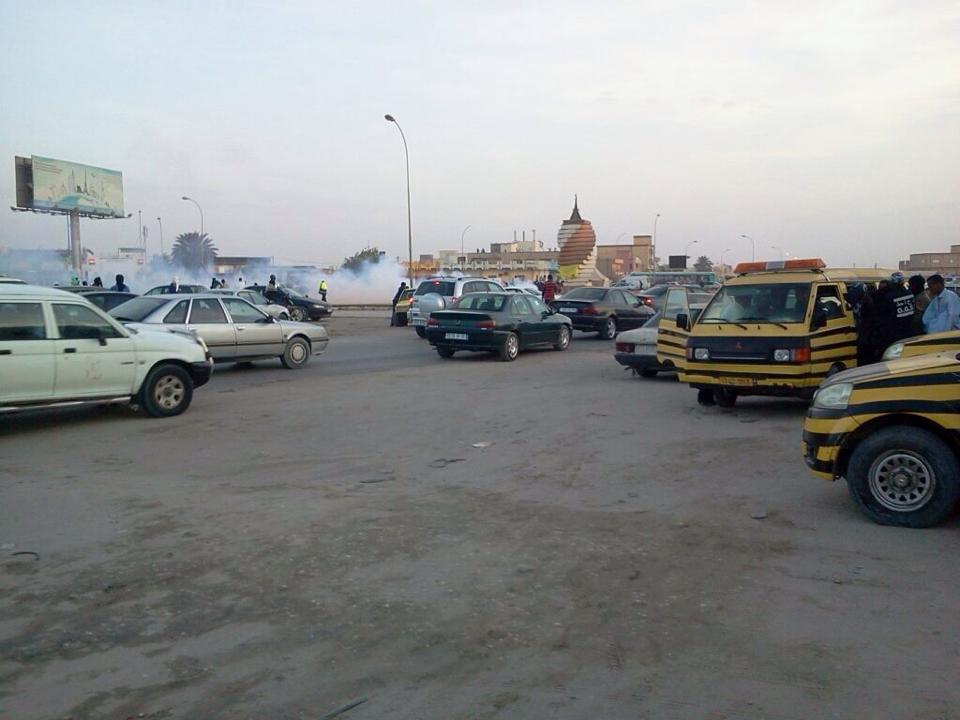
(833, 397)
(701, 353)
(893, 352)
(781, 355)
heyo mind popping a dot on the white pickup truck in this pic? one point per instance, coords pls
(58, 349)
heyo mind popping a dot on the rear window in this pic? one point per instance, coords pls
(137, 309)
(585, 294)
(482, 302)
(441, 287)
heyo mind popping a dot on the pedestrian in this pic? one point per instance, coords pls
(174, 287)
(943, 310)
(323, 289)
(75, 281)
(550, 289)
(223, 282)
(867, 327)
(920, 301)
(396, 299)
(240, 282)
(120, 285)
(83, 283)
(893, 313)
(272, 285)
(214, 284)
(97, 282)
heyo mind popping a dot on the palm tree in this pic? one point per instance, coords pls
(193, 251)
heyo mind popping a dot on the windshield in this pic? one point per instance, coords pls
(585, 294)
(656, 290)
(482, 302)
(441, 287)
(772, 303)
(253, 297)
(137, 309)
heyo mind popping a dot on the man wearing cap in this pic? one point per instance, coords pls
(943, 312)
(894, 313)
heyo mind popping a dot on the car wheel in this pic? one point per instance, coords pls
(648, 373)
(563, 339)
(725, 397)
(298, 314)
(421, 331)
(167, 391)
(609, 329)
(295, 354)
(511, 347)
(284, 316)
(445, 353)
(904, 476)
(705, 397)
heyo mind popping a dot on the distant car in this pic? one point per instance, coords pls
(165, 289)
(658, 346)
(504, 323)
(106, 300)
(438, 293)
(257, 298)
(522, 291)
(57, 348)
(233, 329)
(299, 306)
(654, 296)
(403, 307)
(11, 281)
(606, 311)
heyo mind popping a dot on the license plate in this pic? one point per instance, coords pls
(455, 336)
(568, 309)
(644, 350)
(738, 381)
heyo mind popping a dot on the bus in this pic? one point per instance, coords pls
(646, 280)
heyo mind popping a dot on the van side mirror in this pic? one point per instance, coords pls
(819, 319)
(683, 321)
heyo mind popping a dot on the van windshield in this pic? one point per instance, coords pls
(769, 303)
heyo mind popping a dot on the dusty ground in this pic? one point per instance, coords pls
(300, 541)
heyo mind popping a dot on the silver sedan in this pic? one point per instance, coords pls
(233, 329)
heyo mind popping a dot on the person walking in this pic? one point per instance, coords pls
(943, 310)
(174, 287)
(272, 285)
(97, 282)
(920, 301)
(214, 284)
(120, 285)
(894, 314)
(396, 299)
(323, 289)
(550, 289)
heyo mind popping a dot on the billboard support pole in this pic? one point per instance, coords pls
(75, 251)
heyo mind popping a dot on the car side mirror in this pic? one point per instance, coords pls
(683, 321)
(268, 319)
(101, 337)
(546, 313)
(819, 319)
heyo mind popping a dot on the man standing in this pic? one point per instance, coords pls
(894, 313)
(920, 301)
(323, 290)
(943, 311)
(120, 286)
(174, 287)
(272, 285)
(396, 299)
(549, 290)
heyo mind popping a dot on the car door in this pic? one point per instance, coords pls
(26, 353)
(257, 333)
(672, 340)
(93, 357)
(209, 320)
(631, 310)
(548, 329)
(836, 340)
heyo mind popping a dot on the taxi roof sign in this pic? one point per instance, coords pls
(772, 265)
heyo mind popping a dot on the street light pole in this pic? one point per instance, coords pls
(462, 253)
(406, 153)
(160, 223)
(754, 243)
(198, 208)
(721, 257)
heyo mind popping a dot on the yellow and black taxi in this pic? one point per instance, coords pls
(892, 429)
(777, 328)
(404, 302)
(924, 345)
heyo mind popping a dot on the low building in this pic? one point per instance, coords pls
(930, 263)
(615, 261)
(229, 265)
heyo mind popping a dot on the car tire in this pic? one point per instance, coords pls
(705, 397)
(563, 339)
(298, 314)
(296, 354)
(648, 373)
(421, 331)
(510, 348)
(167, 391)
(284, 316)
(927, 462)
(608, 330)
(725, 397)
(445, 353)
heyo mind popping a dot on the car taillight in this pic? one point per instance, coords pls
(433, 321)
(486, 324)
(648, 301)
(625, 347)
(588, 310)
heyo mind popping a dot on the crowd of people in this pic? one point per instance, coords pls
(893, 311)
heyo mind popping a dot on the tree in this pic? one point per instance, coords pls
(193, 251)
(356, 262)
(703, 264)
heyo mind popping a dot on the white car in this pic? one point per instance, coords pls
(56, 348)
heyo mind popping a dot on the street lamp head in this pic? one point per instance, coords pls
(389, 118)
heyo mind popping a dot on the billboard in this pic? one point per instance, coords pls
(65, 186)
(677, 262)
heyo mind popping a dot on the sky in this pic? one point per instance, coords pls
(822, 129)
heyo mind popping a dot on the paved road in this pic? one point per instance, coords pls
(299, 541)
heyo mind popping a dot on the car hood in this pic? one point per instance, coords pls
(153, 337)
(314, 332)
(891, 368)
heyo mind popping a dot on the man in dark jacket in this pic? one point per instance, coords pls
(894, 314)
(396, 299)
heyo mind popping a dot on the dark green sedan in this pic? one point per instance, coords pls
(501, 323)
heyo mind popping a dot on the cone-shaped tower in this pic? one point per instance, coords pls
(578, 249)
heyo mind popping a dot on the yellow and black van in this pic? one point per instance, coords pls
(924, 345)
(892, 429)
(777, 328)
